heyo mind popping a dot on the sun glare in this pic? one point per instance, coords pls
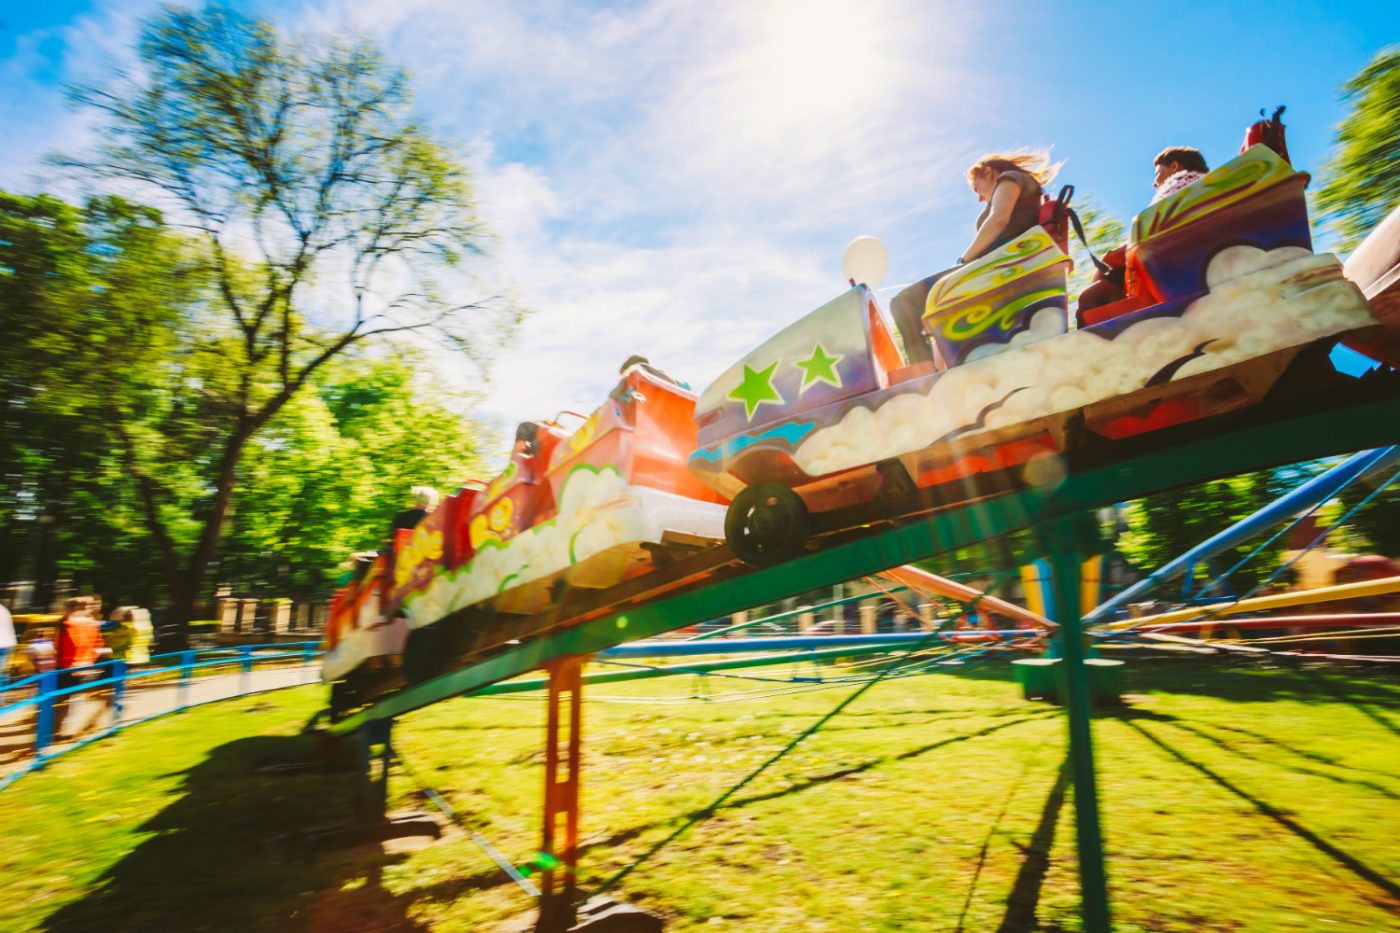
(805, 66)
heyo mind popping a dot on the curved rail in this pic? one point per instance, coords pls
(31, 728)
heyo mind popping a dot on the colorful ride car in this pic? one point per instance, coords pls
(1223, 291)
(360, 639)
(587, 508)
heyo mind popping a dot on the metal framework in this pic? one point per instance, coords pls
(898, 531)
(561, 787)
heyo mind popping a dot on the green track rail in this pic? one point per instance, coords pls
(888, 536)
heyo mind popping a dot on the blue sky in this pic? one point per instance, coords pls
(679, 177)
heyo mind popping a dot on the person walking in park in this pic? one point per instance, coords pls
(7, 643)
(79, 646)
(116, 633)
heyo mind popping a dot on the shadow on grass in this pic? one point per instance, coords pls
(1358, 696)
(1024, 899)
(1230, 747)
(819, 779)
(226, 855)
(1345, 859)
(987, 842)
(1249, 680)
(632, 832)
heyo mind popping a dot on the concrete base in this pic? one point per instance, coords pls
(605, 915)
(1040, 679)
(351, 833)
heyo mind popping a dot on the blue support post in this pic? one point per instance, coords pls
(308, 653)
(182, 696)
(245, 667)
(43, 727)
(1064, 540)
(118, 690)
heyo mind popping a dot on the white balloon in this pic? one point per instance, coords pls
(866, 261)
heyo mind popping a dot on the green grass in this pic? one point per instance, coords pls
(1233, 799)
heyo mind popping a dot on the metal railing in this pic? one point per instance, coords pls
(114, 695)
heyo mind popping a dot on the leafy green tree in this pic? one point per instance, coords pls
(1378, 521)
(1104, 232)
(89, 301)
(1362, 179)
(1163, 526)
(323, 478)
(329, 215)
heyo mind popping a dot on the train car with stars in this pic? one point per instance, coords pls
(1223, 293)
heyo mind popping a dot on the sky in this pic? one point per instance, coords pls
(679, 178)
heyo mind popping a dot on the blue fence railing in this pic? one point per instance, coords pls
(40, 720)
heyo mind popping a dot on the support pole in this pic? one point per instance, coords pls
(374, 740)
(557, 901)
(1063, 540)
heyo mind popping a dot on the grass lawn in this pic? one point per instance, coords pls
(1233, 799)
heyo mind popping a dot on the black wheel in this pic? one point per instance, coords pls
(766, 525)
(339, 700)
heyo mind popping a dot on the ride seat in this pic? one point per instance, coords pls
(1255, 199)
(981, 307)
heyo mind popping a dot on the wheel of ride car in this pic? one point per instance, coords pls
(339, 700)
(766, 525)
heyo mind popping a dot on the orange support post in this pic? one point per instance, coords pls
(557, 907)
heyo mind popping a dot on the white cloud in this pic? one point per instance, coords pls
(674, 177)
(678, 179)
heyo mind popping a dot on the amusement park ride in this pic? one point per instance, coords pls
(822, 456)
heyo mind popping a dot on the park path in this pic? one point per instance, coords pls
(91, 713)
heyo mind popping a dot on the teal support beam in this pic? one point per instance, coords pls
(794, 613)
(1066, 540)
(705, 667)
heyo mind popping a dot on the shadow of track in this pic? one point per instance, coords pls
(1230, 747)
(225, 855)
(819, 779)
(1341, 857)
(987, 841)
(1024, 899)
(1365, 701)
(1247, 680)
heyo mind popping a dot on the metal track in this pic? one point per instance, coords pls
(1331, 419)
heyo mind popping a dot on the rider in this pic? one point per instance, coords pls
(1173, 169)
(1010, 184)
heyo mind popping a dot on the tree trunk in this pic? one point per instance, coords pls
(185, 589)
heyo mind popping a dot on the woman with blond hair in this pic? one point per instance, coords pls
(1011, 185)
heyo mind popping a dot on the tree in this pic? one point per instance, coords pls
(1164, 526)
(91, 299)
(1362, 179)
(323, 478)
(1378, 520)
(299, 166)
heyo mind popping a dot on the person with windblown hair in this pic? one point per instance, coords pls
(1011, 185)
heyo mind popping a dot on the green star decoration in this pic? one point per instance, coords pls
(820, 367)
(756, 389)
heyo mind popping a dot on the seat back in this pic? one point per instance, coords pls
(1255, 199)
(1054, 216)
(1015, 292)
